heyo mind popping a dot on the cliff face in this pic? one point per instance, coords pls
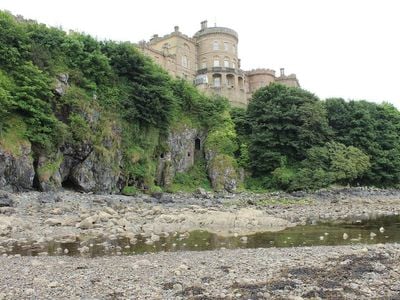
(96, 166)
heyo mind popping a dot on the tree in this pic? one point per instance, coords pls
(373, 128)
(285, 123)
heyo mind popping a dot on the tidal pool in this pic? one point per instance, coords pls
(356, 232)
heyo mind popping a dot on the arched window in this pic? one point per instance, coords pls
(215, 45)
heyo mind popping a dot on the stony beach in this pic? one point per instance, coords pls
(330, 272)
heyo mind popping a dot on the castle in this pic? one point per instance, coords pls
(209, 59)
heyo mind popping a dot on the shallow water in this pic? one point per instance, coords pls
(358, 232)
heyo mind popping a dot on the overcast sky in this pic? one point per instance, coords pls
(337, 48)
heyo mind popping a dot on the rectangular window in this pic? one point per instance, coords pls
(226, 46)
(215, 45)
(203, 65)
(233, 65)
(216, 62)
(217, 81)
(184, 61)
(226, 63)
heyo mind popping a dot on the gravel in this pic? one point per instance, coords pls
(334, 272)
(341, 272)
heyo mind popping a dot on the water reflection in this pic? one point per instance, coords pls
(356, 232)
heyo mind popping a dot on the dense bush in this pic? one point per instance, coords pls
(298, 142)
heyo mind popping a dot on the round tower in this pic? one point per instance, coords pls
(259, 78)
(218, 63)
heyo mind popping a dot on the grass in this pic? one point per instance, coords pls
(14, 136)
(188, 182)
(47, 170)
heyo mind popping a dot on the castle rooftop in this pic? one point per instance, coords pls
(210, 30)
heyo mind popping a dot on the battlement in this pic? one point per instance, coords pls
(291, 76)
(260, 71)
(175, 33)
(211, 30)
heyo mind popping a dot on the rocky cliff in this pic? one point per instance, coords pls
(95, 165)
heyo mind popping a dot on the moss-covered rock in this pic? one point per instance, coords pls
(222, 170)
(16, 162)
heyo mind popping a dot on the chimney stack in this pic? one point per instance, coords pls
(176, 28)
(282, 72)
(204, 24)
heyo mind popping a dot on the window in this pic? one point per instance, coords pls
(226, 46)
(226, 63)
(203, 64)
(184, 61)
(215, 45)
(197, 144)
(230, 81)
(216, 62)
(234, 49)
(217, 81)
(233, 65)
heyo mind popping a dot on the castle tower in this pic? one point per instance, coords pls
(218, 64)
(288, 80)
(258, 78)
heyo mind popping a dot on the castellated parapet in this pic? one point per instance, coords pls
(210, 60)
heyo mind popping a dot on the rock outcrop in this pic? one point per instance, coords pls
(222, 173)
(16, 169)
(97, 173)
(185, 146)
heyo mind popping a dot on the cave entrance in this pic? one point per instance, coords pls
(68, 184)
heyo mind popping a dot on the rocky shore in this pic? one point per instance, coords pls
(67, 215)
(36, 219)
(341, 272)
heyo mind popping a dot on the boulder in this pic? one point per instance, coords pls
(222, 173)
(61, 84)
(6, 199)
(48, 173)
(16, 168)
(97, 173)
